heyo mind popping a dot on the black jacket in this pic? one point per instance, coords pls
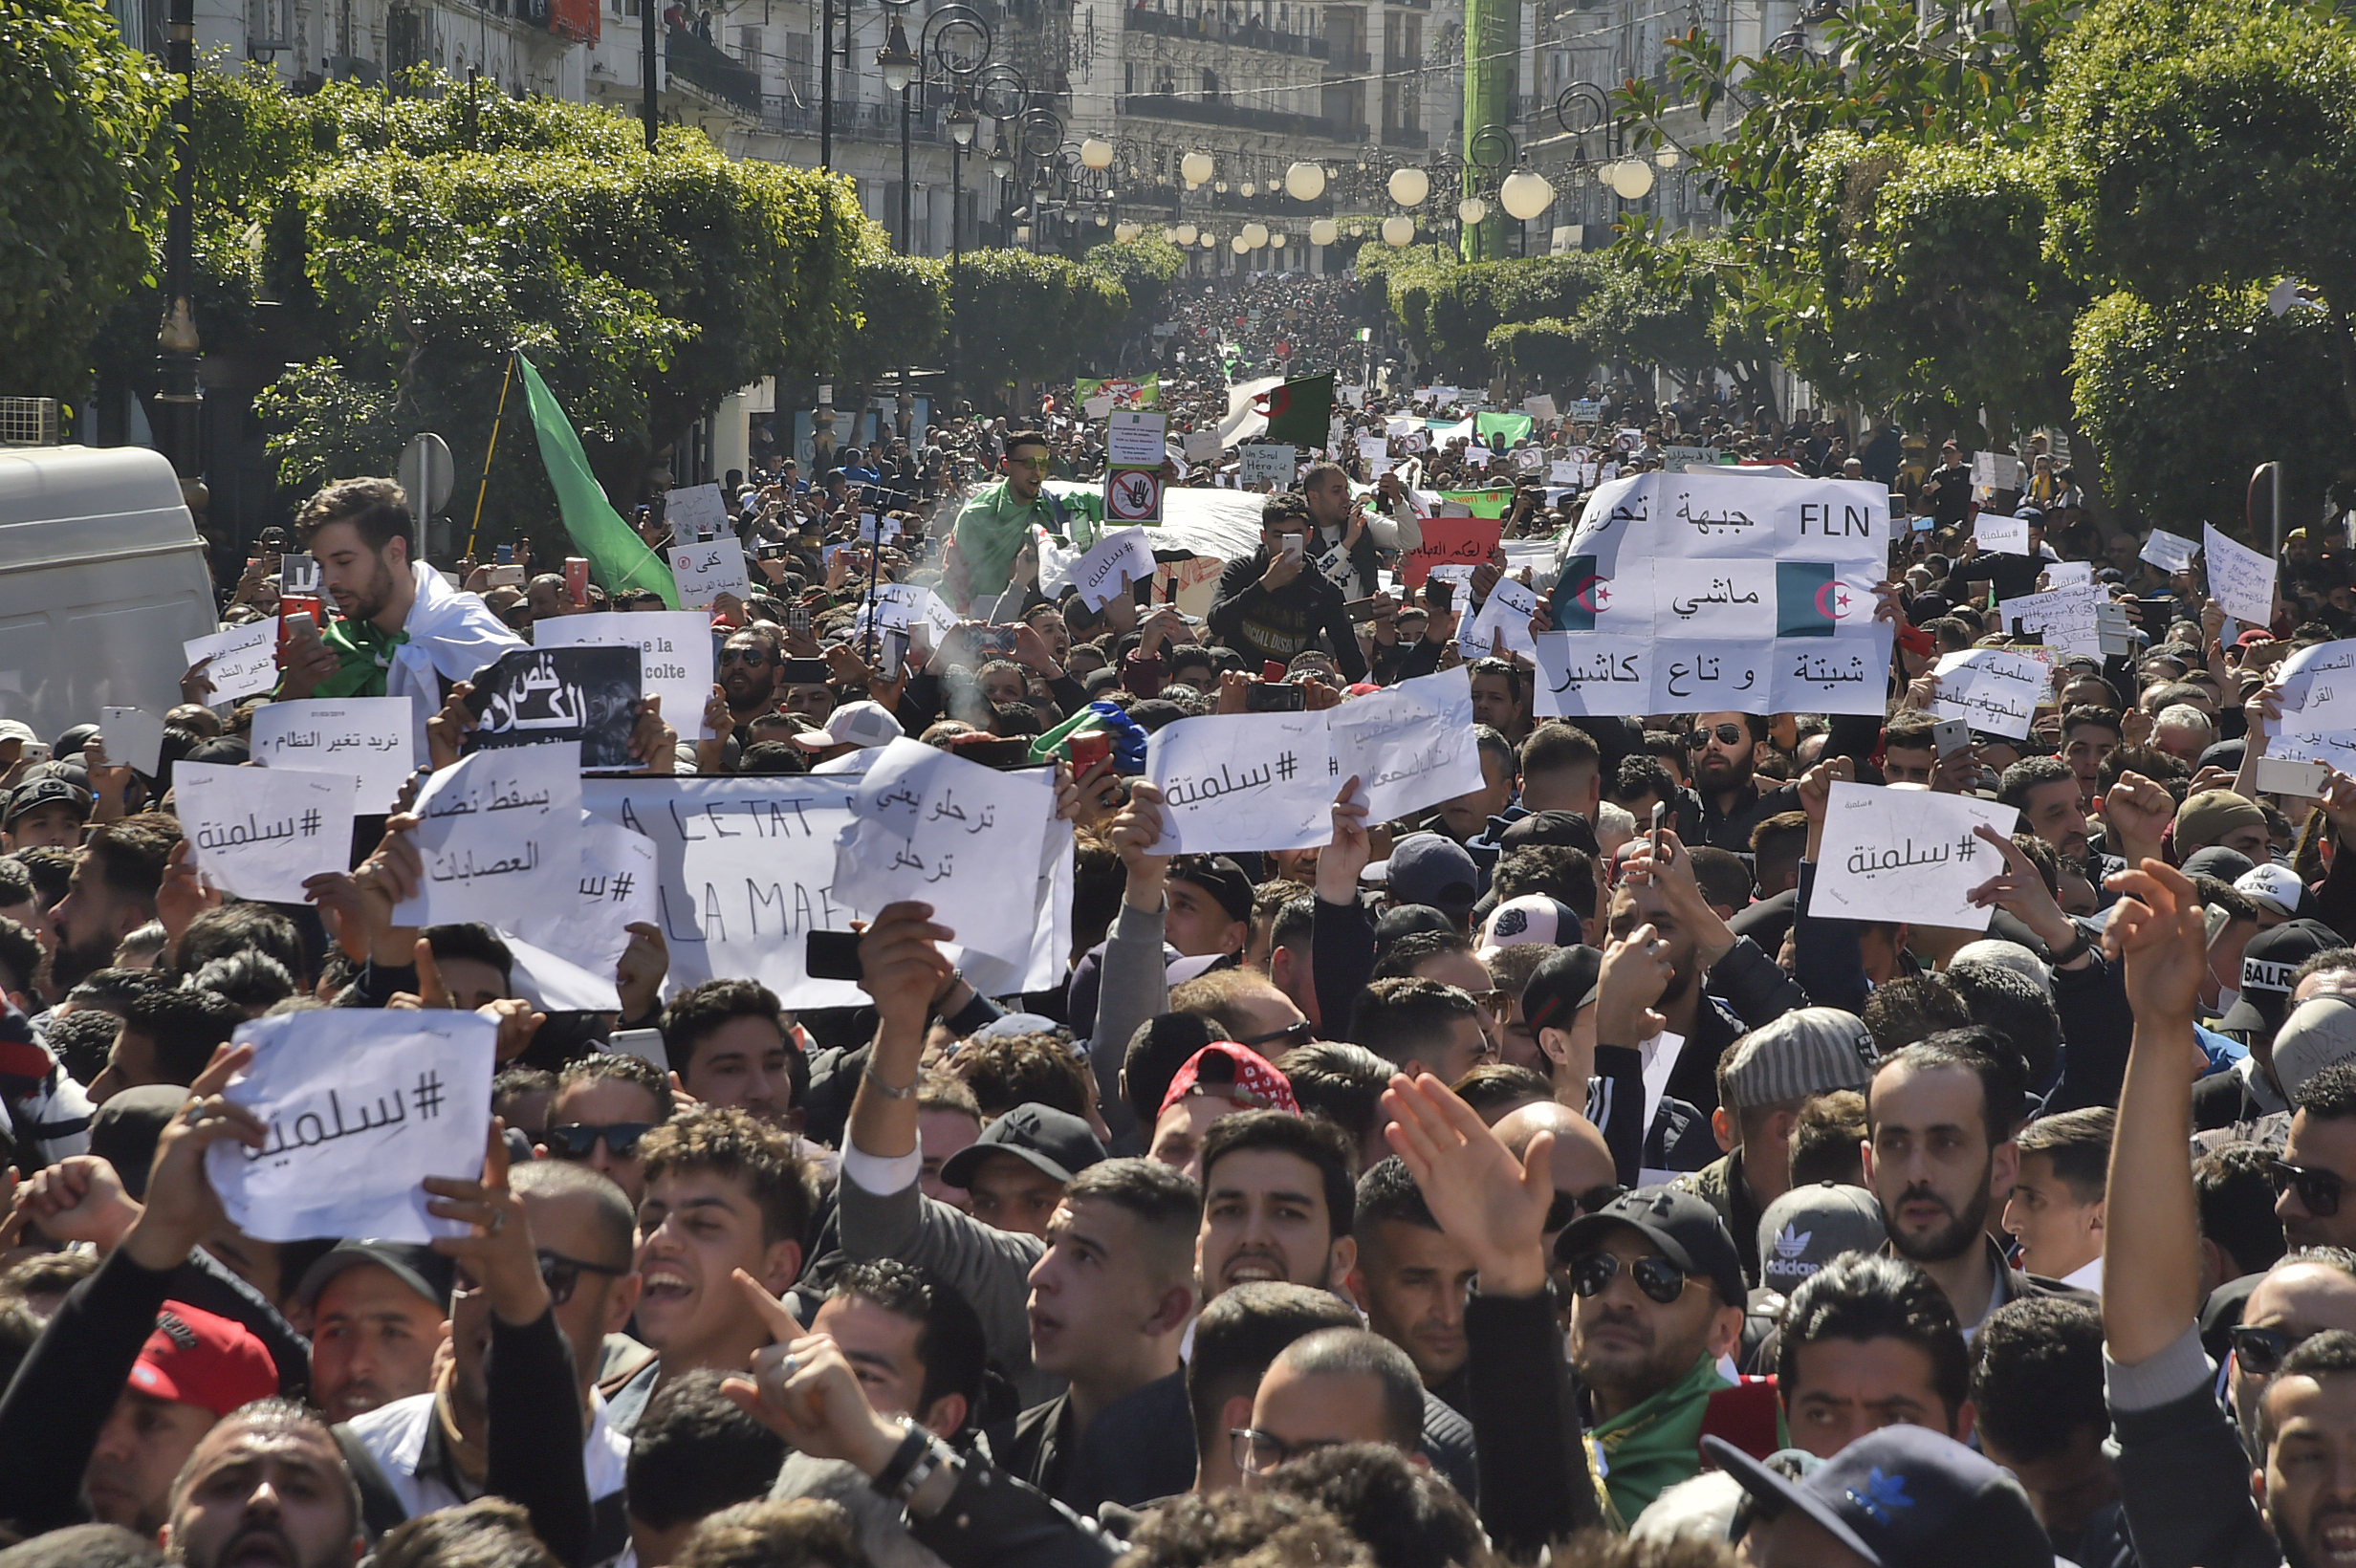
(1139, 1447)
(1282, 623)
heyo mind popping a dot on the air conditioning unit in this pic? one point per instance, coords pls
(353, 67)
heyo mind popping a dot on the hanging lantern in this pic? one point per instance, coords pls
(1324, 231)
(1398, 232)
(1525, 195)
(1304, 182)
(1408, 186)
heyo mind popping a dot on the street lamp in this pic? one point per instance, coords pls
(963, 122)
(896, 59)
(1486, 150)
(1398, 230)
(1324, 231)
(1304, 182)
(178, 351)
(1095, 153)
(1410, 185)
(1197, 168)
(1525, 195)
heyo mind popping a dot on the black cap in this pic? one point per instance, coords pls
(44, 791)
(1682, 1225)
(421, 1269)
(2267, 965)
(1219, 877)
(124, 1131)
(1568, 828)
(2218, 861)
(1401, 919)
(1558, 988)
(1904, 1497)
(1054, 1143)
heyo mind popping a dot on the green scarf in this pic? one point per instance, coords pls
(1652, 1445)
(362, 656)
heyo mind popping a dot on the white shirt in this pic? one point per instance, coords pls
(395, 1437)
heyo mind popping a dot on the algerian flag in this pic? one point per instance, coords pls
(617, 558)
(1300, 411)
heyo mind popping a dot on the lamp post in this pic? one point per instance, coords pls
(827, 74)
(1488, 149)
(178, 349)
(647, 68)
(905, 69)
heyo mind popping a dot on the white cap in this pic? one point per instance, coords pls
(2276, 886)
(866, 724)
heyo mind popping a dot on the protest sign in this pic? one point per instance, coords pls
(1729, 590)
(369, 739)
(1894, 853)
(260, 834)
(743, 873)
(1991, 689)
(2169, 552)
(1267, 462)
(1044, 967)
(499, 832)
(1677, 457)
(1984, 470)
(903, 606)
(1135, 440)
(708, 569)
(134, 739)
(695, 513)
(964, 838)
(1374, 449)
(2068, 573)
(2318, 721)
(2064, 617)
(1202, 446)
(615, 886)
(1458, 541)
(2239, 579)
(555, 984)
(244, 659)
(1504, 619)
(2000, 536)
(535, 695)
(359, 1106)
(1243, 781)
(674, 655)
(1119, 558)
(1539, 404)
(1408, 746)
(878, 530)
(298, 574)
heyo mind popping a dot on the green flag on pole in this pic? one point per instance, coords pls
(617, 558)
(1301, 411)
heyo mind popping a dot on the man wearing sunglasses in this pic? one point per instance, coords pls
(996, 523)
(750, 662)
(604, 1105)
(1720, 750)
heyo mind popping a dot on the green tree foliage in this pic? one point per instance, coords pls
(1447, 310)
(1144, 268)
(84, 160)
(2186, 397)
(903, 306)
(1030, 317)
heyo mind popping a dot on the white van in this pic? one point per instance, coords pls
(102, 578)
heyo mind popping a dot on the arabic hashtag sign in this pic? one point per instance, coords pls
(358, 1107)
(258, 833)
(1243, 781)
(1905, 854)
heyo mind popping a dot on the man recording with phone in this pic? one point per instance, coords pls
(1275, 604)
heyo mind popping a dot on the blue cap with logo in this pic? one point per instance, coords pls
(1904, 1497)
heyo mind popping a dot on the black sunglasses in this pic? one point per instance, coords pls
(2259, 1351)
(1291, 1034)
(2318, 1189)
(561, 1275)
(755, 657)
(575, 1139)
(1729, 734)
(1570, 1206)
(1656, 1276)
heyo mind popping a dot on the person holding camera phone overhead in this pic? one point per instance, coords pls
(1273, 604)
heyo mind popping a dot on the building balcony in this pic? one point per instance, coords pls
(712, 69)
(1405, 136)
(1197, 112)
(1247, 34)
(1348, 62)
(786, 116)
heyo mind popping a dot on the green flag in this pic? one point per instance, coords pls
(1507, 428)
(617, 558)
(1485, 503)
(1300, 412)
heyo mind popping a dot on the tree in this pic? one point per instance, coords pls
(903, 306)
(84, 160)
(1144, 268)
(1030, 317)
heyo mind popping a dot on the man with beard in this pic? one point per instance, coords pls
(1349, 535)
(751, 662)
(405, 631)
(1720, 750)
(111, 894)
(2313, 1174)
(380, 1313)
(1940, 1116)
(264, 1489)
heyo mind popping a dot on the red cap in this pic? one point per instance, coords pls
(198, 1358)
(1244, 1076)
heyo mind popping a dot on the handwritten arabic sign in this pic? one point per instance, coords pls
(1449, 541)
(705, 570)
(1120, 557)
(2064, 617)
(960, 836)
(368, 739)
(1408, 746)
(674, 648)
(244, 659)
(1504, 619)
(1991, 689)
(258, 833)
(2169, 552)
(1243, 781)
(361, 1106)
(616, 886)
(499, 833)
(2317, 723)
(2240, 577)
(1907, 855)
(535, 695)
(696, 512)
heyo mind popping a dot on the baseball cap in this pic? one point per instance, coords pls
(2006, 955)
(1224, 1070)
(1810, 1226)
(1219, 877)
(1558, 988)
(421, 1269)
(1054, 1143)
(1532, 917)
(1905, 1497)
(126, 1129)
(1406, 919)
(44, 791)
(1430, 868)
(1682, 1225)
(1568, 828)
(2218, 861)
(2320, 1033)
(2211, 814)
(2277, 887)
(196, 1358)
(861, 724)
(17, 729)
(2267, 965)
(1807, 1051)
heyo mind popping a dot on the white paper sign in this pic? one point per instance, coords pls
(2068, 573)
(1907, 855)
(1202, 446)
(705, 571)
(876, 528)
(2001, 535)
(1268, 463)
(963, 838)
(2169, 552)
(1120, 557)
(360, 1105)
(2240, 577)
(676, 645)
(2064, 617)
(501, 832)
(1133, 438)
(696, 512)
(1506, 611)
(1984, 470)
(616, 886)
(245, 659)
(369, 739)
(1991, 689)
(259, 834)
(1408, 746)
(133, 738)
(1243, 781)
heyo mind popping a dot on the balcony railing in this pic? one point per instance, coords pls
(712, 69)
(1168, 107)
(1401, 65)
(854, 122)
(1217, 30)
